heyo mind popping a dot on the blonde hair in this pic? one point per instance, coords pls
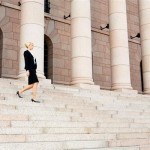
(28, 44)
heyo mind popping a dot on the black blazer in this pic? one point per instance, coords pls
(29, 61)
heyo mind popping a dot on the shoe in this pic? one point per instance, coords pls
(35, 101)
(18, 94)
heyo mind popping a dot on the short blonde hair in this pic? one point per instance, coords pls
(28, 44)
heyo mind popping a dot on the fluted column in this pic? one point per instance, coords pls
(144, 8)
(119, 45)
(81, 42)
(32, 30)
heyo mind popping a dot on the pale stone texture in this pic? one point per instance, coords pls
(81, 42)
(72, 118)
(119, 45)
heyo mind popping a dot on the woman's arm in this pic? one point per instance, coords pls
(26, 58)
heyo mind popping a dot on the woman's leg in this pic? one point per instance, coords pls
(26, 88)
(34, 90)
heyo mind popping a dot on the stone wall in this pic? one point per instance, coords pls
(59, 33)
(59, 8)
(100, 44)
(14, 2)
(10, 26)
(57, 30)
(134, 45)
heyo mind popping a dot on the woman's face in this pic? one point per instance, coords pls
(31, 46)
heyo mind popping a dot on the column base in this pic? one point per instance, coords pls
(87, 81)
(146, 92)
(121, 86)
(87, 86)
(127, 91)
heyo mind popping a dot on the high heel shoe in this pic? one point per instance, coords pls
(35, 101)
(19, 94)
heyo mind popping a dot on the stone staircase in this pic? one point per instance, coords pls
(70, 118)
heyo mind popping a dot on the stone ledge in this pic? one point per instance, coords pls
(10, 5)
(87, 86)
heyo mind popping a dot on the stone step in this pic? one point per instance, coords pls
(139, 125)
(76, 124)
(138, 98)
(113, 125)
(4, 124)
(50, 114)
(85, 110)
(70, 99)
(20, 117)
(121, 136)
(58, 106)
(4, 106)
(67, 130)
(47, 103)
(102, 101)
(37, 112)
(10, 86)
(10, 117)
(128, 142)
(130, 116)
(76, 106)
(51, 124)
(55, 137)
(27, 102)
(21, 131)
(57, 97)
(145, 147)
(62, 107)
(139, 120)
(102, 108)
(119, 130)
(64, 145)
(13, 90)
(101, 119)
(123, 125)
(63, 117)
(114, 148)
(71, 118)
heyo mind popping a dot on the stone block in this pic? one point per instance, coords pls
(6, 63)
(10, 54)
(13, 13)
(128, 142)
(12, 138)
(8, 27)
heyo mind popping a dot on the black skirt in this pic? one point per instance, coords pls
(32, 77)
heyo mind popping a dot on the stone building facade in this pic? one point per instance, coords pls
(58, 39)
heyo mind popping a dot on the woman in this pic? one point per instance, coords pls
(30, 66)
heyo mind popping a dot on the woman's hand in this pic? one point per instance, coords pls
(28, 73)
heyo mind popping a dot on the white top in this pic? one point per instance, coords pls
(34, 58)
